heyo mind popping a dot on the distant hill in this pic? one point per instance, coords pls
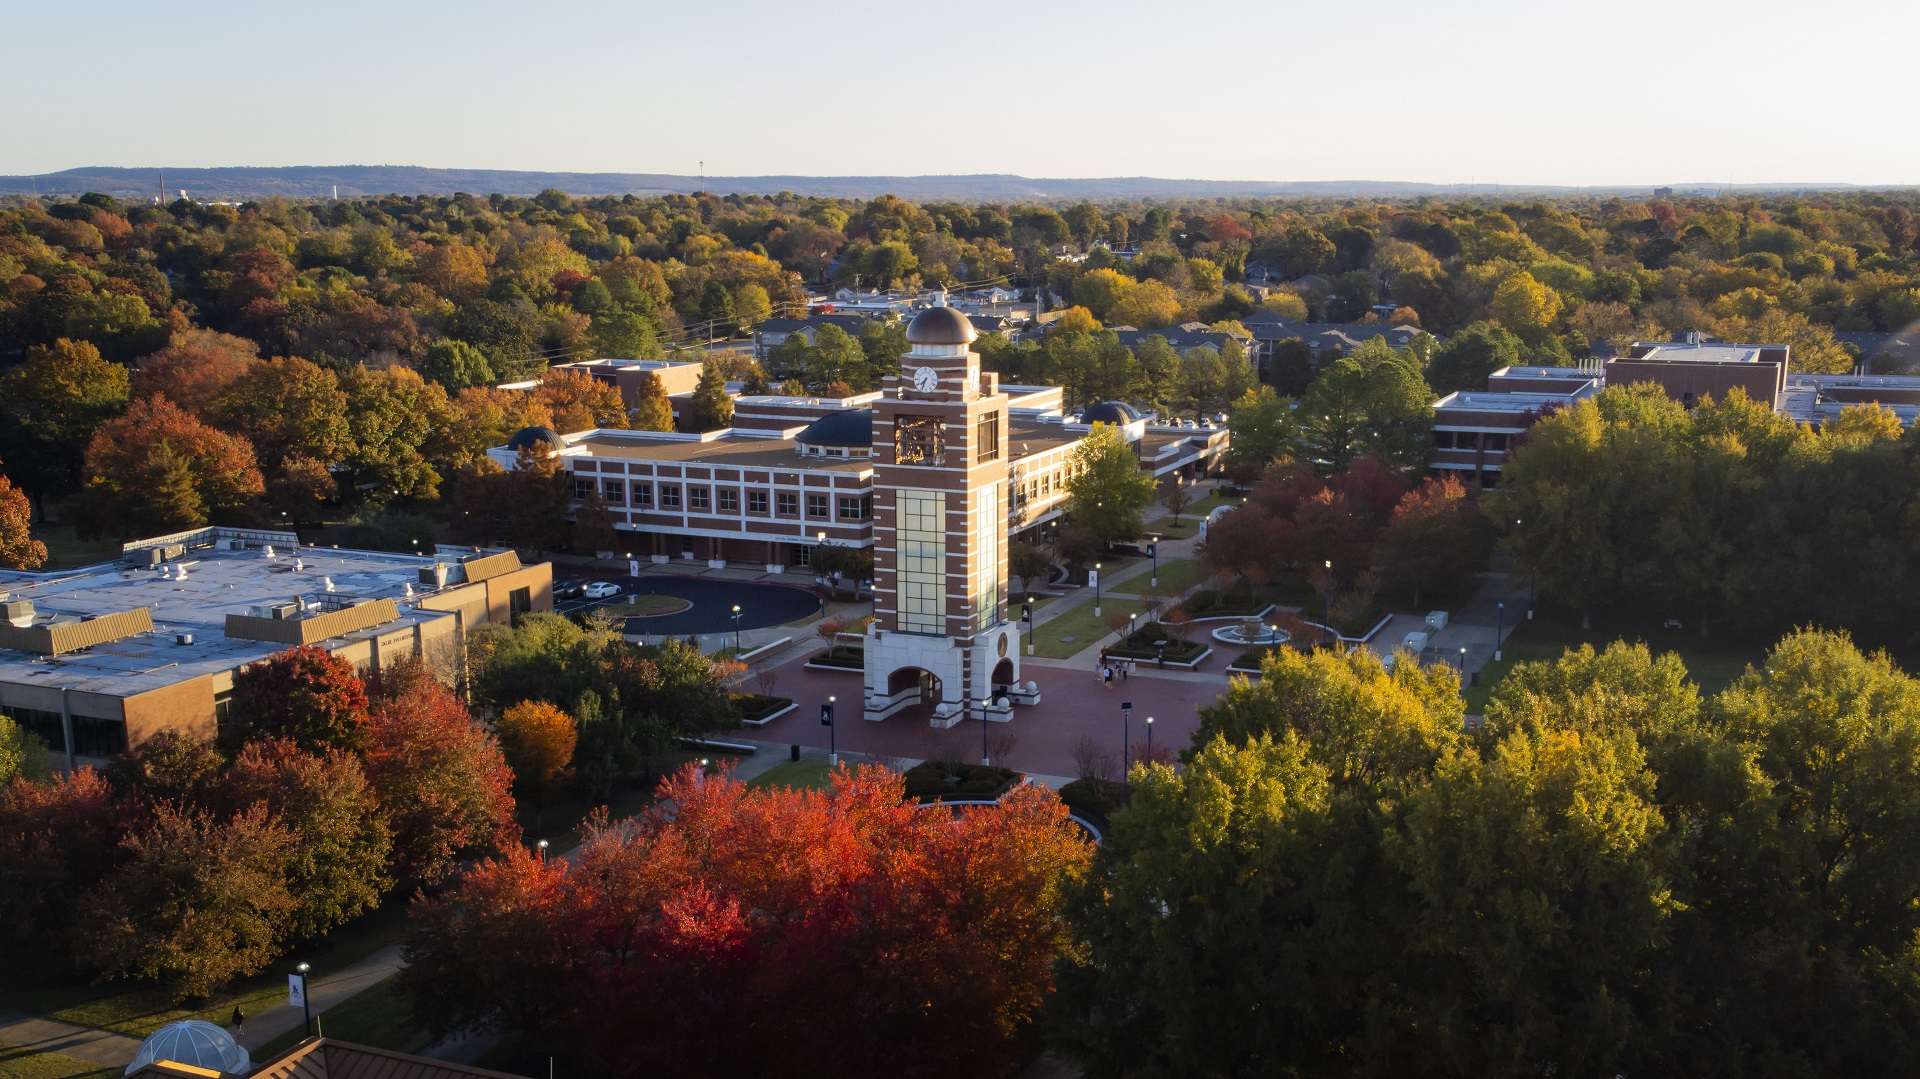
(320, 181)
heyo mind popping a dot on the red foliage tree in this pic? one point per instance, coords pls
(1437, 538)
(698, 941)
(58, 838)
(223, 471)
(305, 694)
(443, 784)
(1284, 486)
(193, 368)
(1373, 488)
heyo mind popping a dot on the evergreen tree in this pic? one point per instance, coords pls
(712, 408)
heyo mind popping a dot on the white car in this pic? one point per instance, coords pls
(601, 590)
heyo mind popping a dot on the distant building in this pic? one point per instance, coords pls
(1696, 368)
(675, 376)
(774, 332)
(1474, 432)
(97, 660)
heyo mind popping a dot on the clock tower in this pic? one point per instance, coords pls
(941, 635)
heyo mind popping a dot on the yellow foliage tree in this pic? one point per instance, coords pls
(538, 740)
(1526, 307)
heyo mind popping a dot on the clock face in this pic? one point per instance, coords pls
(925, 379)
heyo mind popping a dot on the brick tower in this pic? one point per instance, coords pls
(940, 634)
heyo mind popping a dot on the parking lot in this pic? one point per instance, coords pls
(709, 603)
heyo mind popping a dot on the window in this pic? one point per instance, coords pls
(816, 505)
(1496, 443)
(698, 498)
(789, 503)
(756, 501)
(99, 737)
(986, 438)
(854, 508)
(917, 440)
(614, 490)
(922, 557)
(582, 487)
(519, 601)
(729, 501)
(1443, 440)
(670, 496)
(643, 494)
(42, 724)
(802, 554)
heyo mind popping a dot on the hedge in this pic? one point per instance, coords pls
(931, 780)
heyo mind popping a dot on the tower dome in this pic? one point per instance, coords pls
(195, 1042)
(940, 326)
(851, 428)
(1118, 413)
(531, 437)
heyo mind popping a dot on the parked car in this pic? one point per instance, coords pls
(568, 589)
(601, 590)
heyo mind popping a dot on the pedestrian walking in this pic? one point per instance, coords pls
(239, 1021)
(1125, 666)
(1106, 677)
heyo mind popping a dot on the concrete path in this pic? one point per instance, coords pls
(323, 993)
(39, 1035)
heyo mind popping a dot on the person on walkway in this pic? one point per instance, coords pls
(1106, 677)
(1124, 665)
(239, 1021)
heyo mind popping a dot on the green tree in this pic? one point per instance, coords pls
(1106, 490)
(455, 365)
(288, 407)
(654, 412)
(22, 754)
(1465, 359)
(50, 407)
(711, 408)
(625, 335)
(1263, 427)
(1381, 407)
(716, 307)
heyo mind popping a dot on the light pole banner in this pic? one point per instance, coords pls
(297, 990)
(1093, 578)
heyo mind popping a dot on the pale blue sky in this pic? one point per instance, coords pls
(1498, 91)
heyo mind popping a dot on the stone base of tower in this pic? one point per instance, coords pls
(977, 678)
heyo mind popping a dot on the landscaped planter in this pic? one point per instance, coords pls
(759, 709)
(839, 658)
(932, 781)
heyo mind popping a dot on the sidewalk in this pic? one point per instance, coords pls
(52, 1036)
(324, 993)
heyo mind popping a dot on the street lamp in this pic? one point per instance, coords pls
(1026, 615)
(736, 631)
(542, 847)
(1463, 661)
(1096, 589)
(1153, 552)
(1499, 627)
(1149, 739)
(1126, 737)
(1326, 599)
(833, 732)
(306, 1008)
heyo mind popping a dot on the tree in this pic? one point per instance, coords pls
(1075, 319)
(336, 865)
(1354, 407)
(1106, 489)
(1465, 359)
(716, 307)
(675, 921)
(711, 408)
(751, 305)
(58, 837)
(198, 902)
(593, 526)
(18, 548)
(1146, 304)
(1176, 497)
(580, 402)
(653, 413)
(392, 417)
(1263, 427)
(194, 368)
(304, 694)
(1436, 538)
(22, 754)
(160, 468)
(167, 768)
(288, 407)
(538, 741)
(51, 406)
(443, 786)
(456, 365)
(1028, 562)
(1526, 307)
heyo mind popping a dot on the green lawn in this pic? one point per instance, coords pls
(800, 775)
(19, 1063)
(1167, 530)
(1176, 576)
(376, 1016)
(1713, 662)
(140, 1009)
(1080, 624)
(66, 550)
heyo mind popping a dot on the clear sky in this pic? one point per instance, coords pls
(1493, 91)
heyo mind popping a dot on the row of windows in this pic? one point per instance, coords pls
(1469, 440)
(725, 499)
(91, 737)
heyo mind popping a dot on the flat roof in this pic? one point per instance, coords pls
(614, 361)
(1701, 353)
(1854, 382)
(1490, 401)
(731, 449)
(1802, 404)
(1571, 374)
(217, 583)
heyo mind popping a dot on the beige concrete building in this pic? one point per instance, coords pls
(96, 660)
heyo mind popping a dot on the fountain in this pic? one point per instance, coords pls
(1250, 631)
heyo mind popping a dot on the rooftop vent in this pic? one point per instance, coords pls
(18, 612)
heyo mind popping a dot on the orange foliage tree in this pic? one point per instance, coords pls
(122, 459)
(18, 548)
(538, 740)
(698, 940)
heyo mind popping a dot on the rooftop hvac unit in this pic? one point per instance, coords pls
(281, 611)
(233, 544)
(18, 612)
(173, 550)
(434, 576)
(145, 557)
(183, 638)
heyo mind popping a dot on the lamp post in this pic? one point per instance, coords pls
(1149, 739)
(1153, 552)
(833, 732)
(1463, 661)
(306, 1009)
(1126, 738)
(736, 631)
(1326, 599)
(819, 554)
(1096, 589)
(1026, 615)
(1499, 626)
(542, 848)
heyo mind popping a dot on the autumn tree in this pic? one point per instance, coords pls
(194, 369)
(538, 741)
(59, 836)
(336, 866)
(443, 785)
(18, 548)
(198, 902)
(580, 402)
(745, 901)
(288, 407)
(654, 412)
(1436, 538)
(304, 694)
(1175, 497)
(134, 465)
(1525, 307)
